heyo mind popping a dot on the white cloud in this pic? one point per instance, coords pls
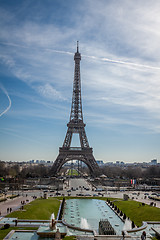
(122, 38)
(131, 26)
(49, 92)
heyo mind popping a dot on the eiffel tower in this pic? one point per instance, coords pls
(77, 126)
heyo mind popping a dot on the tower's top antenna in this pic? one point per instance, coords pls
(77, 55)
(77, 46)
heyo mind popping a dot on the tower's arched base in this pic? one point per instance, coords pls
(84, 155)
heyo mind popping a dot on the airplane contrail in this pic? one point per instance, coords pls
(92, 57)
(46, 49)
(107, 59)
(122, 62)
(10, 102)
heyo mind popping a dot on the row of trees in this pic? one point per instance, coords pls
(31, 171)
(40, 171)
(131, 172)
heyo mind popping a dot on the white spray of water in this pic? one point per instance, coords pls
(52, 221)
(10, 102)
(84, 223)
(52, 216)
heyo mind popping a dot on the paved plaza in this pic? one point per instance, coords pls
(13, 204)
(75, 184)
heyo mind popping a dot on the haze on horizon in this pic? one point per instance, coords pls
(120, 74)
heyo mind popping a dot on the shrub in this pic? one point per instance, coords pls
(6, 226)
(2, 200)
(14, 196)
(133, 225)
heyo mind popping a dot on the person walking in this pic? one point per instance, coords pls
(143, 236)
(123, 235)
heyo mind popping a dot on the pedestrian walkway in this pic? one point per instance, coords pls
(148, 201)
(137, 198)
(11, 205)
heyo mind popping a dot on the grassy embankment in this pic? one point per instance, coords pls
(72, 172)
(137, 212)
(39, 209)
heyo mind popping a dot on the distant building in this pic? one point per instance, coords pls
(109, 163)
(154, 162)
(119, 163)
(42, 161)
(31, 161)
(100, 162)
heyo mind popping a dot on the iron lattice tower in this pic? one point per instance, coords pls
(77, 126)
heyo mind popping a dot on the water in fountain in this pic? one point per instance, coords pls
(127, 225)
(84, 223)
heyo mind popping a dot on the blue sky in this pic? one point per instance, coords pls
(120, 73)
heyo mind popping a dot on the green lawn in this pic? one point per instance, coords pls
(136, 212)
(69, 238)
(39, 209)
(73, 172)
